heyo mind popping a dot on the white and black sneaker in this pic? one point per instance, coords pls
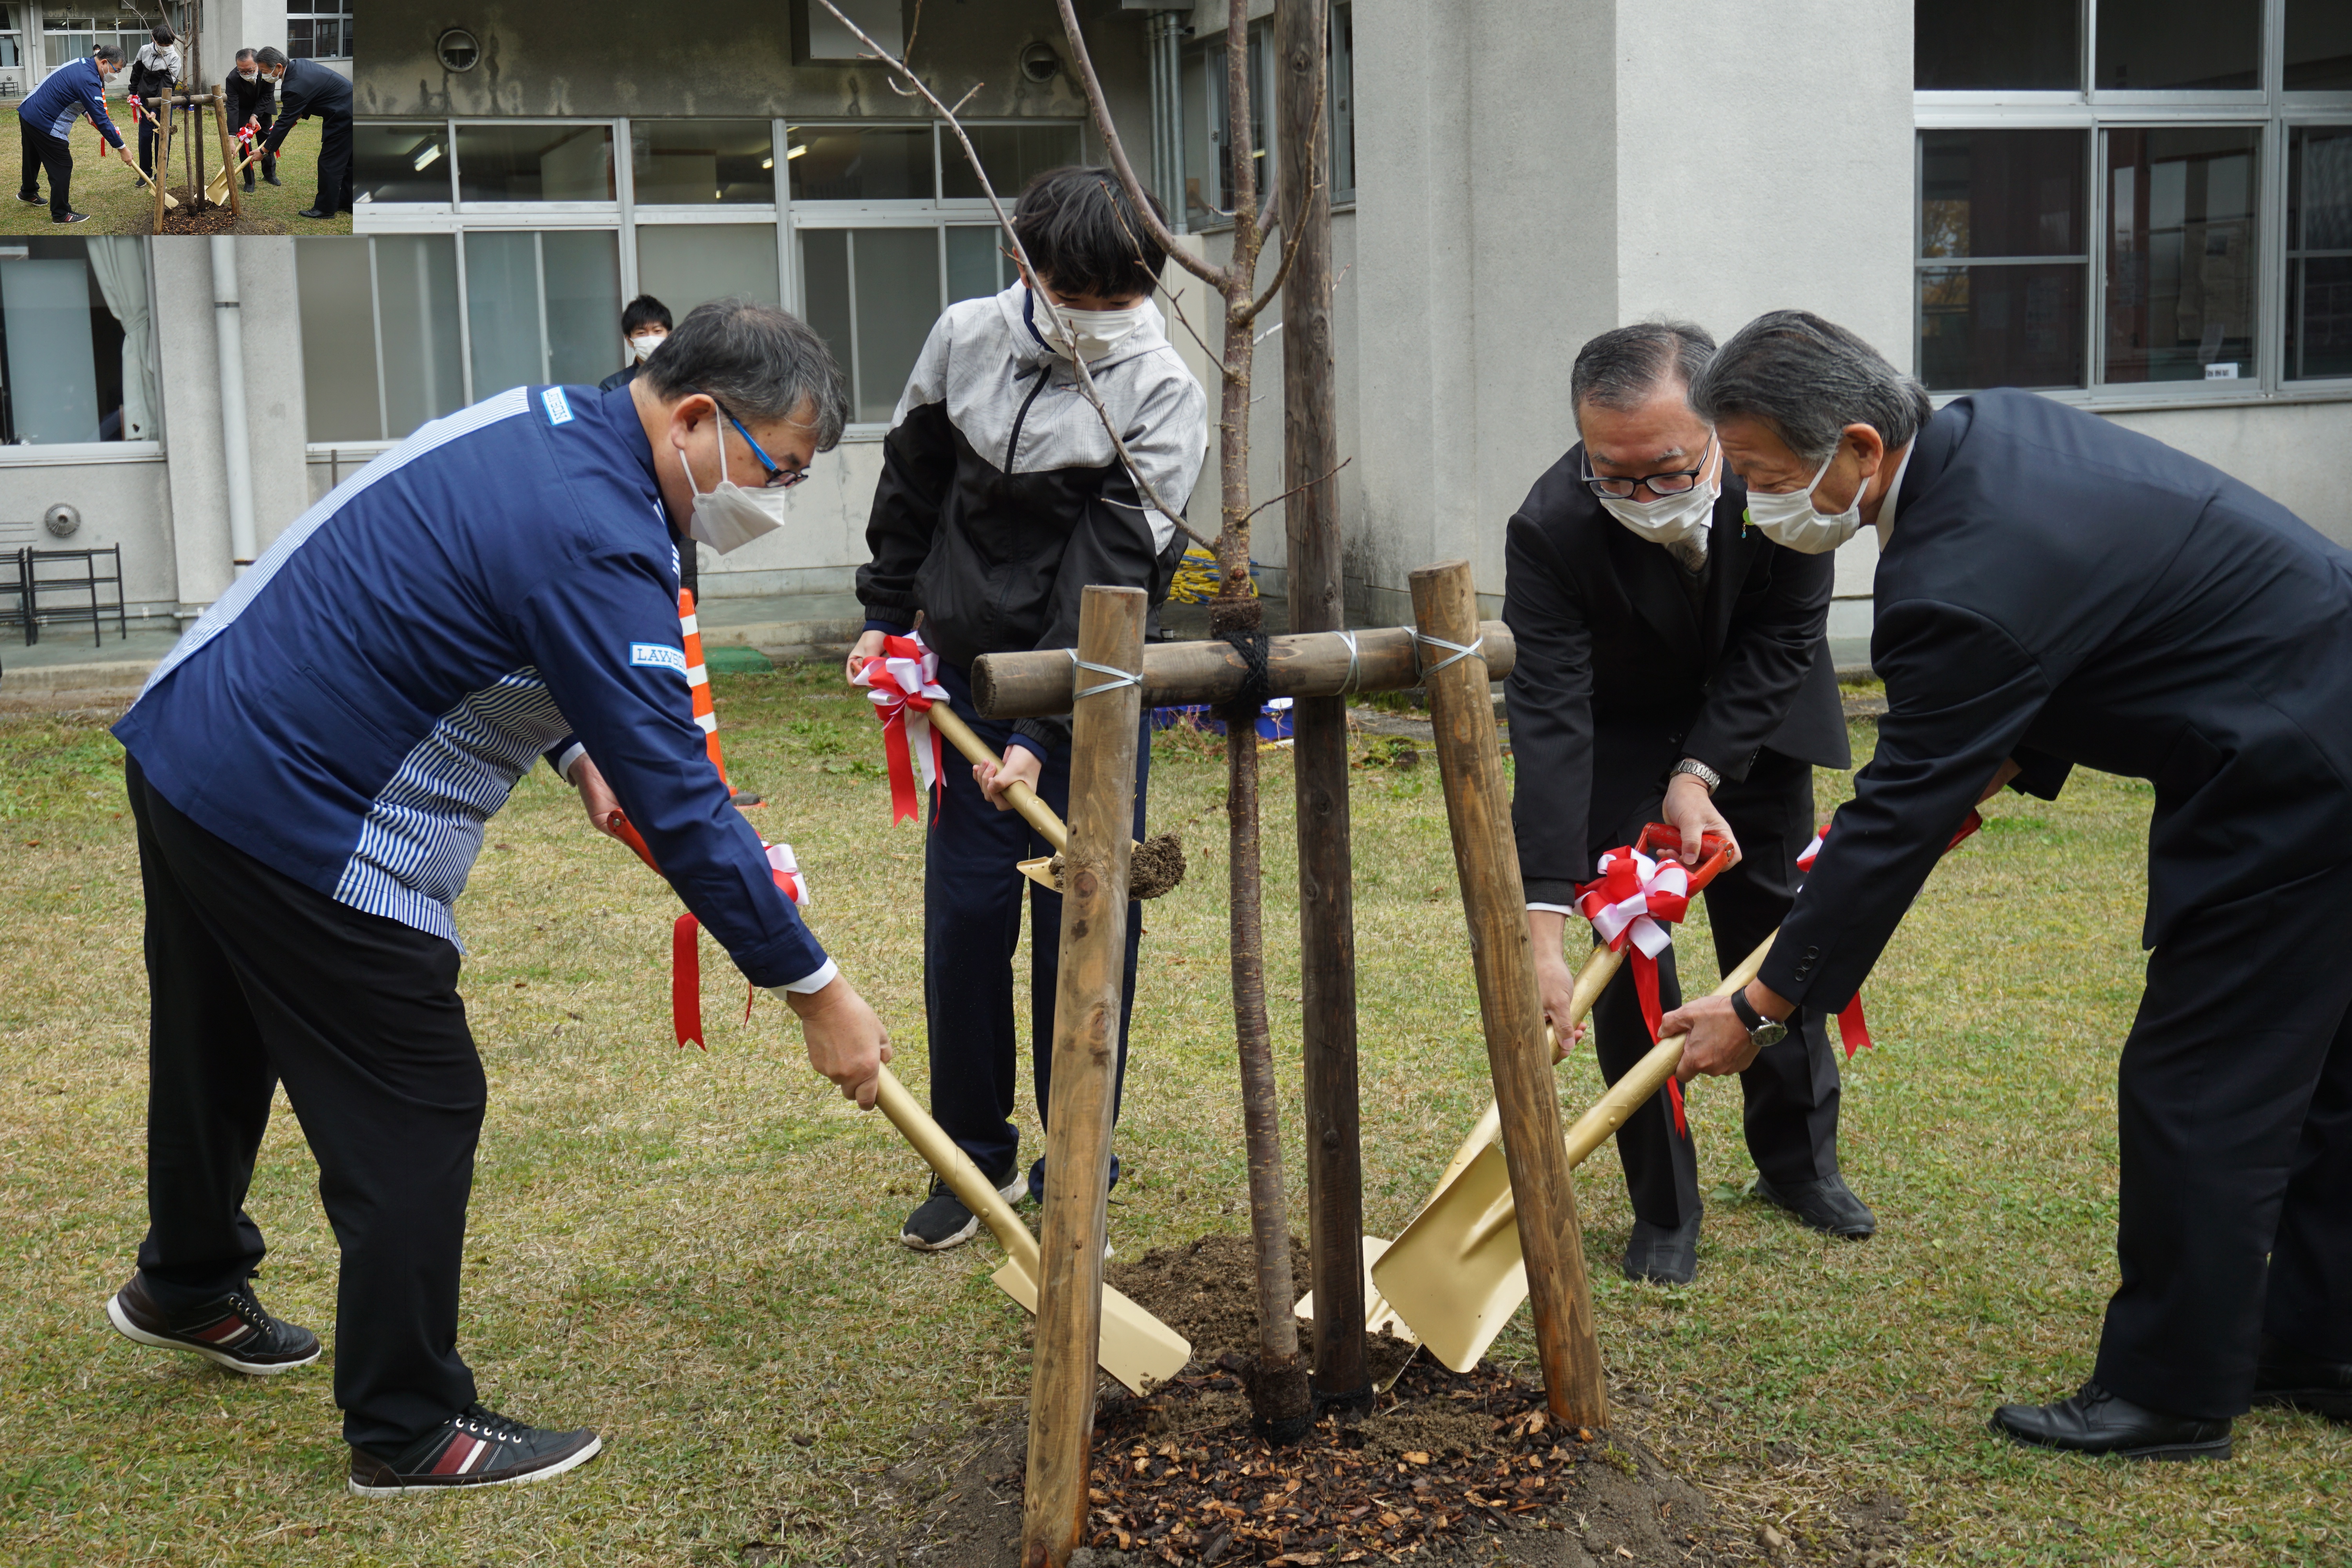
(476, 1447)
(235, 1330)
(942, 1222)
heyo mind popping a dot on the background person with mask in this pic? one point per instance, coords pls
(1671, 667)
(1001, 499)
(153, 71)
(305, 88)
(645, 322)
(65, 94)
(2055, 591)
(312, 769)
(251, 102)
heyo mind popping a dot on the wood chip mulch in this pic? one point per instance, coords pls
(1165, 1489)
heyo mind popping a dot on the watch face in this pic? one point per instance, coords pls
(1772, 1034)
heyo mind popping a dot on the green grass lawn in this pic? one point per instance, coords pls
(693, 1251)
(118, 204)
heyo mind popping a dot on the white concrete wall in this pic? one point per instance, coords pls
(122, 501)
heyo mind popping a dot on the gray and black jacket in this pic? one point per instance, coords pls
(1001, 498)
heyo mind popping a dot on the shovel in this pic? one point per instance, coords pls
(170, 201)
(1147, 878)
(1135, 1347)
(1455, 1273)
(216, 189)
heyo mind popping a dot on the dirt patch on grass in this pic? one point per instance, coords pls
(213, 217)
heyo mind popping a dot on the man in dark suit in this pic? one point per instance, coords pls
(252, 101)
(2055, 591)
(1670, 664)
(305, 88)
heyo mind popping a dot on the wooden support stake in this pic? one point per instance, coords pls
(1478, 808)
(1299, 664)
(162, 160)
(1104, 739)
(1326, 916)
(228, 153)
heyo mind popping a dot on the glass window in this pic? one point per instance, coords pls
(535, 163)
(2319, 252)
(541, 306)
(2009, 206)
(2147, 46)
(977, 265)
(832, 163)
(2318, 46)
(316, 31)
(686, 264)
(398, 161)
(872, 294)
(1208, 168)
(2182, 253)
(682, 162)
(12, 40)
(1011, 153)
(77, 343)
(1342, 92)
(2015, 44)
(380, 344)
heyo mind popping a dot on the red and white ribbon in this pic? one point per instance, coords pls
(685, 933)
(1853, 1029)
(903, 683)
(1632, 901)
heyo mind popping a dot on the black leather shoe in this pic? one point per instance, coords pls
(2286, 1376)
(1826, 1205)
(314, 213)
(273, 179)
(1662, 1256)
(2098, 1422)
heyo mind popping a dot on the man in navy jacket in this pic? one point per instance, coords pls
(2054, 591)
(312, 769)
(65, 94)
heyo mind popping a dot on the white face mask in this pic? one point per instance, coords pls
(1669, 520)
(645, 343)
(726, 516)
(1090, 335)
(1787, 518)
(249, 75)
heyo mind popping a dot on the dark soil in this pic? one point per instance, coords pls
(1153, 870)
(213, 218)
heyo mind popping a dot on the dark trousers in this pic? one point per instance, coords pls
(268, 160)
(972, 925)
(1791, 1088)
(147, 139)
(43, 151)
(2234, 1105)
(255, 979)
(334, 163)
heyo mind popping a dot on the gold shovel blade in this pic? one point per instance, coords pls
(1136, 1348)
(1041, 871)
(1456, 1274)
(1378, 1313)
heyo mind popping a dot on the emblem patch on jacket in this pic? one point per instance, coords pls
(657, 656)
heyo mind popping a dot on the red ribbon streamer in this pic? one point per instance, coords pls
(1632, 900)
(902, 683)
(684, 935)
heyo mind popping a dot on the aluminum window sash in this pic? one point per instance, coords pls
(376, 312)
(625, 186)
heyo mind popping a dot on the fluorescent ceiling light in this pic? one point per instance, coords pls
(793, 152)
(769, 162)
(431, 153)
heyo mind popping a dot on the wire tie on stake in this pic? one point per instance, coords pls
(1456, 657)
(1118, 676)
(1355, 664)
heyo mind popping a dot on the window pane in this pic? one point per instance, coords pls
(2034, 43)
(2146, 45)
(686, 265)
(2000, 326)
(898, 289)
(53, 360)
(1343, 99)
(337, 302)
(392, 161)
(2318, 46)
(892, 164)
(502, 305)
(416, 302)
(2319, 249)
(824, 296)
(535, 163)
(701, 162)
(976, 264)
(582, 274)
(2180, 254)
(1012, 154)
(2000, 192)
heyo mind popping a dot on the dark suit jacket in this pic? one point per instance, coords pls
(1619, 678)
(2063, 590)
(620, 377)
(250, 99)
(309, 89)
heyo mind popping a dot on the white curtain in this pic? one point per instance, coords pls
(122, 268)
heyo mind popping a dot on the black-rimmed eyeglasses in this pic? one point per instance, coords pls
(1679, 482)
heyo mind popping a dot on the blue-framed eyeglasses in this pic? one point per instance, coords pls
(779, 477)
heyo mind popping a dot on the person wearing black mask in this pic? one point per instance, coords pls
(305, 88)
(252, 101)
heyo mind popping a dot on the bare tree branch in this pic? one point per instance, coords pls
(913, 28)
(1086, 380)
(1294, 227)
(1160, 236)
(1296, 488)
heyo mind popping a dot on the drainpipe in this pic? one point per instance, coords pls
(1164, 42)
(236, 449)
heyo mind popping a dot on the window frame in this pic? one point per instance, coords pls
(2272, 112)
(341, 16)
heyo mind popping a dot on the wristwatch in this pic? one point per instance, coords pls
(1761, 1031)
(1699, 770)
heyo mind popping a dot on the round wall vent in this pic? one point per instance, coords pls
(1040, 62)
(61, 519)
(458, 49)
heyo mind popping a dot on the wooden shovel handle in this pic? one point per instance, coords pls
(955, 1168)
(1023, 799)
(1650, 1074)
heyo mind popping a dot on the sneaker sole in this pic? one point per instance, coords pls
(131, 1331)
(908, 1238)
(596, 1445)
